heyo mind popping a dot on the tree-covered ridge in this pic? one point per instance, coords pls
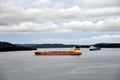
(101, 45)
(6, 46)
(108, 45)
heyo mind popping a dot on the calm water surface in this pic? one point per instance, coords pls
(92, 65)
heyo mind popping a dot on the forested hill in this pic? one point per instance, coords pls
(108, 45)
(6, 46)
(51, 45)
(102, 45)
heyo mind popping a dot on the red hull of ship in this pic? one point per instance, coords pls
(58, 53)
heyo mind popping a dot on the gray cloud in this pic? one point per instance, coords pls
(29, 27)
(106, 25)
(102, 12)
(99, 3)
(15, 17)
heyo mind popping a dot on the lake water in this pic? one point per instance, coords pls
(91, 65)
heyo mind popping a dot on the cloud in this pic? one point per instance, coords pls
(110, 24)
(102, 12)
(10, 13)
(106, 25)
(41, 3)
(30, 27)
(14, 14)
(102, 39)
(99, 3)
(15, 17)
(91, 40)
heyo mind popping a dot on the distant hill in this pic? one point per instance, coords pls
(108, 45)
(46, 45)
(6, 46)
(102, 45)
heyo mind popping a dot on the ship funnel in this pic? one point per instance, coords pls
(77, 49)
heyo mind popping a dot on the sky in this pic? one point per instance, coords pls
(60, 21)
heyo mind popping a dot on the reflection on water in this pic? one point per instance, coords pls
(92, 65)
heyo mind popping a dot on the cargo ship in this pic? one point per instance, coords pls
(75, 52)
